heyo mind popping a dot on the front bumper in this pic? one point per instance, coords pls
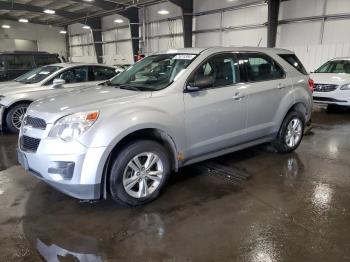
(337, 97)
(80, 181)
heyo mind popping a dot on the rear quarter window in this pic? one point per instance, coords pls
(295, 62)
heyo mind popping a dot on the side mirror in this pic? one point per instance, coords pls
(204, 82)
(58, 82)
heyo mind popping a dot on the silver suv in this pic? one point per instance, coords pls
(167, 111)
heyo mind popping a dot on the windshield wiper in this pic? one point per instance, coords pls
(128, 87)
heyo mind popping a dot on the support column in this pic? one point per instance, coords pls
(133, 15)
(187, 18)
(96, 30)
(272, 23)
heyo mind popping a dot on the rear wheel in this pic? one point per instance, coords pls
(290, 133)
(15, 116)
(139, 173)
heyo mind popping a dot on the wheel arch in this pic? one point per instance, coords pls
(26, 101)
(153, 134)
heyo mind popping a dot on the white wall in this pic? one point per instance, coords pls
(315, 42)
(48, 38)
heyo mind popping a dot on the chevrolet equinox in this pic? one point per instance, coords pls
(124, 137)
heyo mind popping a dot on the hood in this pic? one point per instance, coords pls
(327, 78)
(13, 87)
(95, 98)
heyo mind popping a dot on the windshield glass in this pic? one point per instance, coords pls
(336, 67)
(38, 74)
(153, 73)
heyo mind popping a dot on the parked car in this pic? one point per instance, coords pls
(15, 96)
(167, 111)
(16, 63)
(332, 82)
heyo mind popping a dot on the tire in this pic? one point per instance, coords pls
(15, 116)
(284, 145)
(129, 178)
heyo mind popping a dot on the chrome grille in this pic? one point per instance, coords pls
(325, 88)
(29, 143)
(35, 122)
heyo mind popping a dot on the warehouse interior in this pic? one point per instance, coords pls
(249, 205)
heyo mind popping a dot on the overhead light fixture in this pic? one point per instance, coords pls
(118, 21)
(6, 26)
(49, 11)
(23, 20)
(86, 27)
(63, 32)
(88, 0)
(163, 12)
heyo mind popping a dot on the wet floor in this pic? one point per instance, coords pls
(293, 207)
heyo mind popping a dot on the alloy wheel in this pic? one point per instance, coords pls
(294, 132)
(143, 175)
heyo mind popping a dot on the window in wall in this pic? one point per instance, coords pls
(261, 67)
(21, 62)
(45, 60)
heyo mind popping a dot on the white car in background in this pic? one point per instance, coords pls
(16, 95)
(332, 82)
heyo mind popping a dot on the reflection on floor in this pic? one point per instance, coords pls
(260, 206)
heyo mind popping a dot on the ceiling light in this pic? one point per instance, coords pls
(6, 26)
(86, 27)
(163, 12)
(88, 0)
(23, 20)
(49, 11)
(118, 21)
(63, 32)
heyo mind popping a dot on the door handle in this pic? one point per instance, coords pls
(238, 97)
(280, 86)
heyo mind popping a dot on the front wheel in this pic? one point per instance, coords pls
(139, 173)
(15, 116)
(290, 133)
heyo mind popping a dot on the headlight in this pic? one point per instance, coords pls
(345, 87)
(72, 126)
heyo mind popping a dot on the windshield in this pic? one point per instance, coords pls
(336, 67)
(38, 74)
(153, 73)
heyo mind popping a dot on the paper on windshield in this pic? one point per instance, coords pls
(184, 57)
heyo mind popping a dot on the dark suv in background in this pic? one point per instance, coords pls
(16, 63)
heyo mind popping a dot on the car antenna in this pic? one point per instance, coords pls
(259, 41)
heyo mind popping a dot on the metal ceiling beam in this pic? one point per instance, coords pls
(36, 9)
(105, 5)
(272, 22)
(187, 19)
(32, 21)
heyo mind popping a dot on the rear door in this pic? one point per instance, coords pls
(266, 86)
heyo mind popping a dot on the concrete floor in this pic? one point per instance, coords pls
(294, 207)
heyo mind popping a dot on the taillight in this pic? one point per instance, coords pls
(311, 85)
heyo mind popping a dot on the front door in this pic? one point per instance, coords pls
(215, 116)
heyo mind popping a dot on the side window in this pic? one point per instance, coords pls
(21, 62)
(261, 67)
(74, 75)
(102, 73)
(222, 68)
